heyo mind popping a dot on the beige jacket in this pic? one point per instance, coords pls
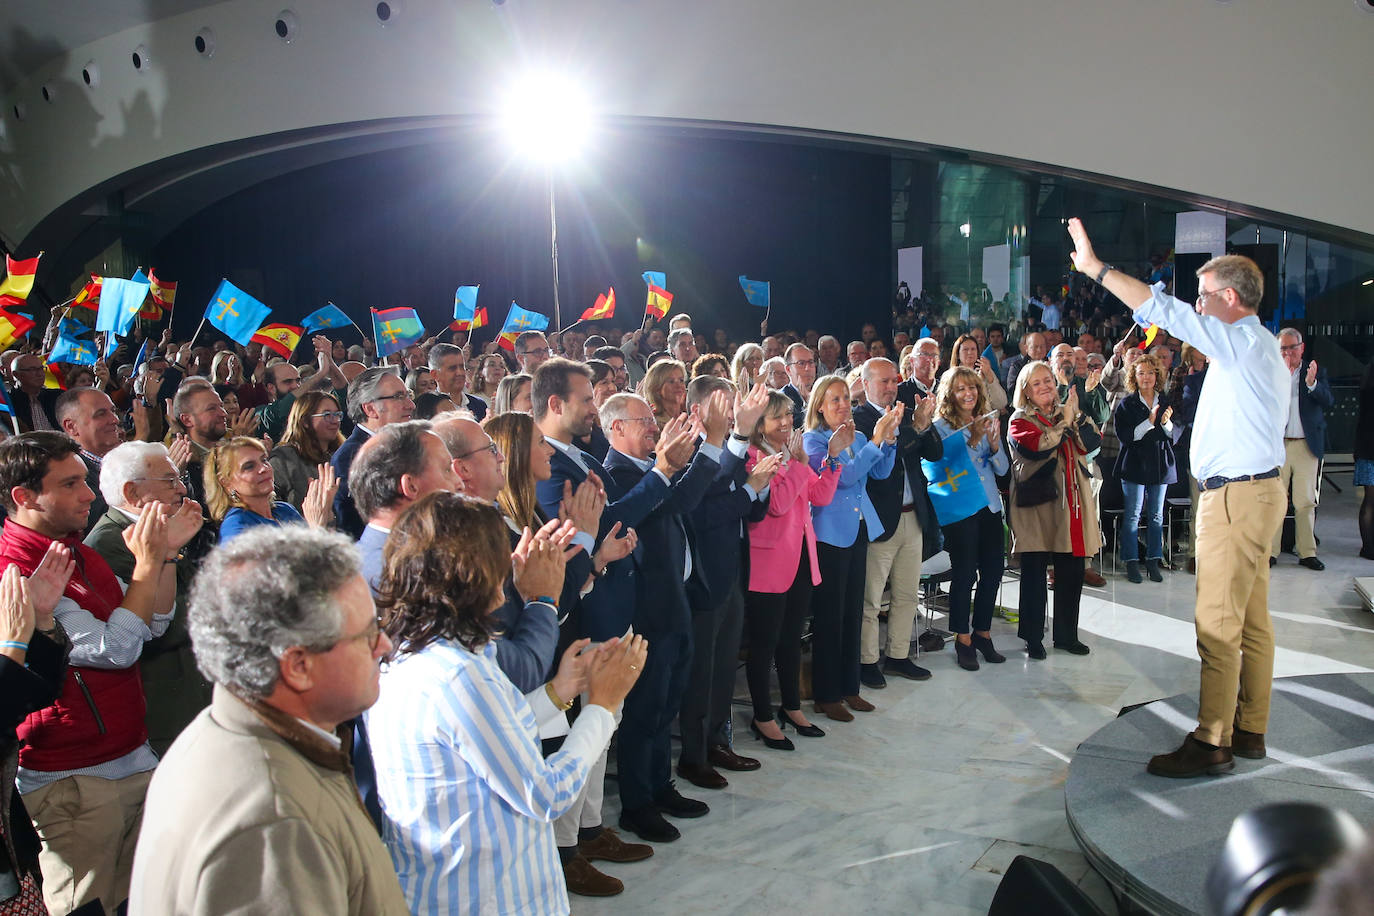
(250, 812)
(1069, 523)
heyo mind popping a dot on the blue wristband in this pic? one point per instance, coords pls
(545, 599)
(11, 644)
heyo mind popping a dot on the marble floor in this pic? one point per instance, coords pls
(921, 805)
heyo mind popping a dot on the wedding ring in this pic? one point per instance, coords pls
(634, 667)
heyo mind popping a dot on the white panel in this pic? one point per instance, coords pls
(911, 268)
(1199, 232)
(997, 270)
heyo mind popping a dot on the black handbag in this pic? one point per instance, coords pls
(1089, 435)
(1040, 487)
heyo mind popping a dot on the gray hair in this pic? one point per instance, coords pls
(357, 353)
(374, 480)
(363, 390)
(265, 591)
(677, 334)
(830, 337)
(123, 464)
(1291, 332)
(617, 407)
(439, 351)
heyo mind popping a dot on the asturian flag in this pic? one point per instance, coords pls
(955, 489)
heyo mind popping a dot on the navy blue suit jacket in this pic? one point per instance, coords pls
(1312, 407)
(661, 602)
(344, 512)
(886, 492)
(717, 523)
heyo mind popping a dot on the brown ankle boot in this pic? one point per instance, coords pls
(1249, 745)
(582, 878)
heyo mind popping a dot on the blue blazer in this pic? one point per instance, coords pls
(1312, 407)
(345, 514)
(838, 523)
(717, 524)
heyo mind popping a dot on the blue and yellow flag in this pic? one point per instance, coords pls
(330, 316)
(395, 329)
(233, 311)
(655, 278)
(120, 302)
(955, 489)
(758, 292)
(518, 321)
(464, 308)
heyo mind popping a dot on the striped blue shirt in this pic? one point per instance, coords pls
(469, 802)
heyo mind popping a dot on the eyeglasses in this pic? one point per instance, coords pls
(489, 447)
(927, 356)
(538, 351)
(1202, 294)
(398, 396)
(803, 363)
(328, 415)
(371, 634)
(1287, 347)
(171, 480)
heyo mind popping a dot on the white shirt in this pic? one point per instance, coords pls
(1294, 428)
(1238, 428)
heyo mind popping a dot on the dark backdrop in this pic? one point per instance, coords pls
(406, 227)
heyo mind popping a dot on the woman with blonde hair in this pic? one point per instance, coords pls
(239, 490)
(665, 388)
(746, 365)
(312, 437)
(1054, 514)
(1145, 465)
(513, 394)
(843, 529)
(974, 540)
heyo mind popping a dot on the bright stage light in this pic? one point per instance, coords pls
(546, 117)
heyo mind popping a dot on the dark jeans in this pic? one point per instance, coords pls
(976, 552)
(837, 610)
(1068, 590)
(644, 749)
(774, 624)
(711, 684)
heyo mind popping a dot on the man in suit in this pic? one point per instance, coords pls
(89, 416)
(925, 359)
(910, 530)
(449, 368)
(670, 572)
(1304, 445)
(722, 541)
(376, 397)
(801, 374)
(35, 407)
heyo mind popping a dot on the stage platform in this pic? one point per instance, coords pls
(1154, 839)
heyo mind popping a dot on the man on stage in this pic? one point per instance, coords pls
(1237, 451)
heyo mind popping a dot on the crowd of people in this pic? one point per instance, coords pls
(244, 593)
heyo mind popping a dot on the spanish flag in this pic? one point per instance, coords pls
(604, 307)
(281, 339)
(12, 327)
(660, 301)
(89, 297)
(478, 320)
(18, 281)
(164, 293)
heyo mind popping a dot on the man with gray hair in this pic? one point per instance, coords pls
(448, 365)
(255, 805)
(376, 398)
(828, 360)
(133, 476)
(1304, 446)
(682, 344)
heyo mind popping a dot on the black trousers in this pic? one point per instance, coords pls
(837, 609)
(644, 749)
(711, 684)
(774, 623)
(1068, 592)
(976, 552)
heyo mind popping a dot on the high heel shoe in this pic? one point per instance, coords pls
(990, 654)
(777, 744)
(966, 655)
(806, 731)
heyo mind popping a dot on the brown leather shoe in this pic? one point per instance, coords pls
(1192, 566)
(718, 755)
(1249, 745)
(609, 847)
(582, 878)
(1093, 578)
(701, 775)
(859, 704)
(835, 711)
(1193, 758)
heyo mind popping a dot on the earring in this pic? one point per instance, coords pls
(234, 495)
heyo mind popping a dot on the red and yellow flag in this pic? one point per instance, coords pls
(89, 297)
(18, 281)
(53, 378)
(12, 327)
(660, 301)
(281, 339)
(464, 324)
(161, 298)
(604, 307)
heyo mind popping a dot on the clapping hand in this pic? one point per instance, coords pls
(571, 677)
(923, 410)
(749, 409)
(538, 563)
(1167, 416)
(843, 437)
(245, 425)
(180, 452)
(764, 470)
(1094, 379)
(1311, 373)
(318, 505)
(885, 430)
(796, 446)
(49, 581)
(146, 538)
(17, 616)
(615, 667)
(583, 505)
(183, 524)
(615, 548)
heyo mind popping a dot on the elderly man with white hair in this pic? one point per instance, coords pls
(132, 476)
(254, 808)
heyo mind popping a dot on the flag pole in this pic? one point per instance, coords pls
(553, 243)
(192, 342)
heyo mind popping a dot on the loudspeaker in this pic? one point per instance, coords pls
(1032, 886)
(1267, 257)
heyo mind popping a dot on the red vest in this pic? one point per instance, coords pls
(100, 714)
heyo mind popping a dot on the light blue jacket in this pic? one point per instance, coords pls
(838, 523)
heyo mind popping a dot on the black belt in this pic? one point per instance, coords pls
(1214, 483)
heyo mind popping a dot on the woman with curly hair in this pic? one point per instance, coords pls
(468, 800)
(665, 388)
(312, 436)
(711, 364)
(490, 369)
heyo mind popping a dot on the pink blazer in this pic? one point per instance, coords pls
(775, 543)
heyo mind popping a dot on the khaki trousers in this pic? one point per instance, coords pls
(585, 813)
(899, 559)
(1236, 523)
(89, 827)
(1300, 470)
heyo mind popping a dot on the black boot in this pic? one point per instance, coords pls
(990, 655)
(1152, 570)
(967, 656)
(1133, 571)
